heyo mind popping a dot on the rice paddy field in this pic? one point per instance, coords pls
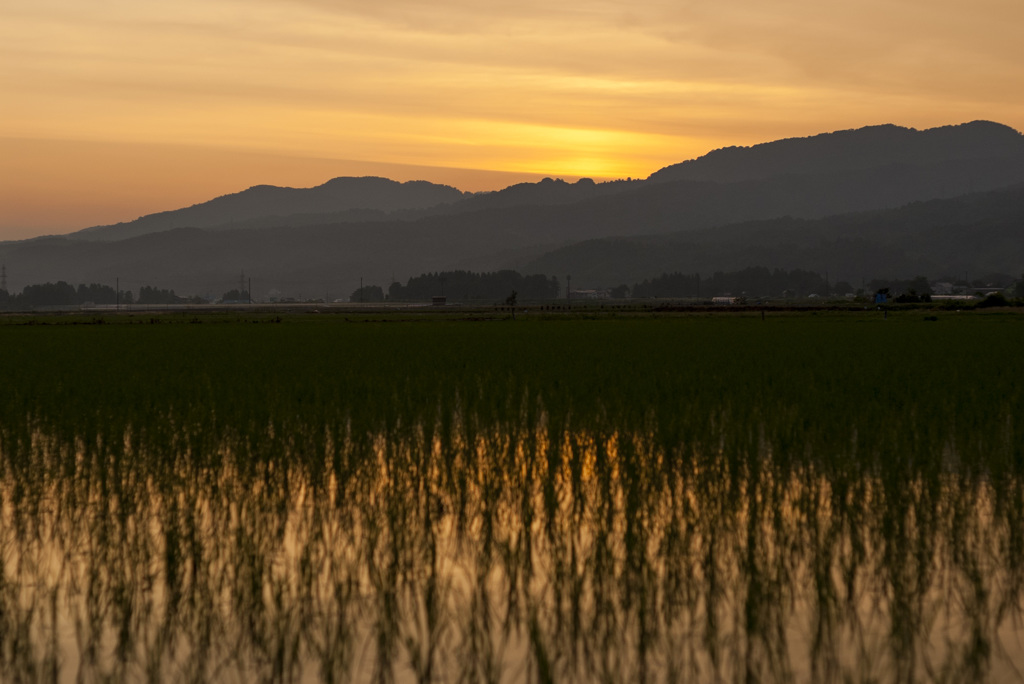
(833, 497)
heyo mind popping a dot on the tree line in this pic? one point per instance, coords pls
(750, 282)
(463, 286)
(62, 293)
(496, 286)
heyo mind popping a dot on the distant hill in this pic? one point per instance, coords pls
(863, 148)
(343, 199)
(738, 207)
(875, 166)
(978, 233)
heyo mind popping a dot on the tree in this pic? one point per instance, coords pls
(368, 293)
(153, 295)
(994, 299)
(50, 294)
(467, 286)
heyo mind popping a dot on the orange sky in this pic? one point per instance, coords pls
(110, 109)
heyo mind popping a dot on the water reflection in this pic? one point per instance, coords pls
(468, 548)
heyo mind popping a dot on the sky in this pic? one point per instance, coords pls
(112, 109)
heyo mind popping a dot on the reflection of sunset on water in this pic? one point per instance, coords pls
(504, 548)
(732, 499)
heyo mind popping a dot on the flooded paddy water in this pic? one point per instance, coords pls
(699, 499)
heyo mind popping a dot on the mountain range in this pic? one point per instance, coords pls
(880, 201)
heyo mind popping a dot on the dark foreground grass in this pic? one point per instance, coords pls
(829, 497)
(808, 379)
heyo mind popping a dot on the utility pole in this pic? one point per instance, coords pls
(117, 294)
(568, 291)
(360, 289)
(3, 277)
(250, 290)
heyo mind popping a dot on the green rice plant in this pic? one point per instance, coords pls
(708, 498)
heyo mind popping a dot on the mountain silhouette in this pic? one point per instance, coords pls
(977, 233)
(868, 168)
(859, 149)
(326, 238)
(346, 198)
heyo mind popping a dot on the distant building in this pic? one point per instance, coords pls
(590, 294)
(725, 301)
(439, 301)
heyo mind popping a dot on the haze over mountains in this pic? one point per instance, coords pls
(835, 202)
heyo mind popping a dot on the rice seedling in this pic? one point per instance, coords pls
(716, 498)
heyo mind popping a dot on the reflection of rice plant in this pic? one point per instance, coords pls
(695, 498)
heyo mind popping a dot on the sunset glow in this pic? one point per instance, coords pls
(115, 108)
